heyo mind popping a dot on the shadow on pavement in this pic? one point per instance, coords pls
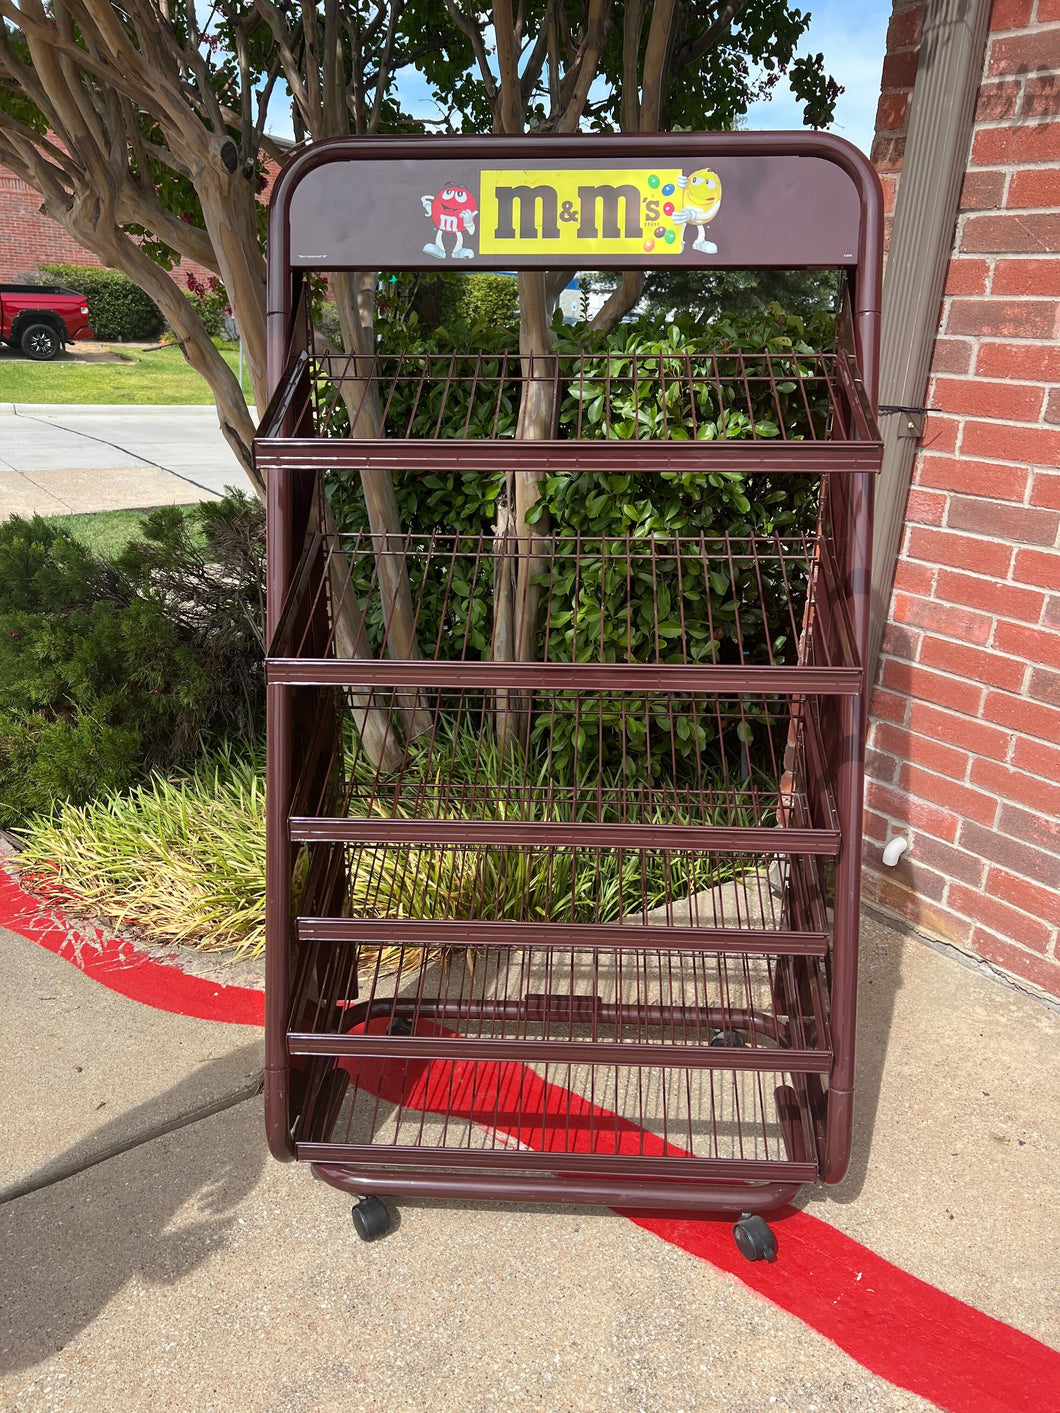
(67, 1249)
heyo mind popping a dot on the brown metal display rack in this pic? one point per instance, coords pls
(533, 983)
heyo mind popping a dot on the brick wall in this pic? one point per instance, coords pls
(27, 236)
(965, 721)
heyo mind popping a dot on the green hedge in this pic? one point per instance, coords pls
(117, 309)
(111, 667)
(488, 300)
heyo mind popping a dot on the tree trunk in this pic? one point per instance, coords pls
(361, 398)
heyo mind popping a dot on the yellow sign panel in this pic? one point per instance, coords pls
(649, 211)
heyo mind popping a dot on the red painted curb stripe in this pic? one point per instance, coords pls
(893, 1324)
(120, 967)
(887, 1320)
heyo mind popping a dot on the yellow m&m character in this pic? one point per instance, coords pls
(702, 198)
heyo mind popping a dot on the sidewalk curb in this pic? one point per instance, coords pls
(112, 409)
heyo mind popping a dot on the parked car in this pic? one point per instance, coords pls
(42, 319)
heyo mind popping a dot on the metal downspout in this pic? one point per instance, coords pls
(941, 115)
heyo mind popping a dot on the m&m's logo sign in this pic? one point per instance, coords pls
(658, 211)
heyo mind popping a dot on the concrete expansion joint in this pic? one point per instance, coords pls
(49, 1176)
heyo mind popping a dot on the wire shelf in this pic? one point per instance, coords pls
(480, 895)
(576, 758)
(685, 601)
(652, 1121)
(666, 396)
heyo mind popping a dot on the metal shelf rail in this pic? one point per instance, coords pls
(619, 962)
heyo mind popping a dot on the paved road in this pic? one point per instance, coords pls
(56, 460)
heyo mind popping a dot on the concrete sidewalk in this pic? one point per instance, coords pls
(158, 1259)
(58, 460)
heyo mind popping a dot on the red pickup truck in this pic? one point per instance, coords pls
(42, 319)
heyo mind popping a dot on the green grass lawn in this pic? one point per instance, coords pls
(107, 532)
(159, 376)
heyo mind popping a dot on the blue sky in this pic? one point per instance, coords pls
(851, 37)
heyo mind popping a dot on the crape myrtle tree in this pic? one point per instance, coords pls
(142, 126)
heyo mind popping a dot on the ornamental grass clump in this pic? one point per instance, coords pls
(181, 860)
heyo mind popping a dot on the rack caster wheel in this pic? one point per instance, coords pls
(370, 1218)
(728, 1037)
(754, 1240)
(400, 1026)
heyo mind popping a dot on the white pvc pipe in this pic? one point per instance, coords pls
(894, 849)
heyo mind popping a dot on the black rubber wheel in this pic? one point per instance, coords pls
(754, 1240)
(370, 1218)
(728, 1037)
(40, 342)
(400, 1026)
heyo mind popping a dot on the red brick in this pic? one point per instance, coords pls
(900, 642)
(954, 863)
(966, 277)
(954, 729)
(1010, 14)
(1028, 362)
(1038, 445)
(1044, 686)
(925, 916)
(889, 187)
(940, 433)
(1036, 829)
(1032, 899)
(1041, 96)
(888, 706)
(1032, 644)
(913, 578)
(1041, 567)
(975, 478)
(1048, 11)
(1016, 787)
(891, 114)
(1002, 318)
(917, 814)
(1045, 490)
(1022, 524)
(880, 766)
(996, 101)
(1039, 864)
(906, 678)
(1035, 186)
(1027, 717)
(888, 150)
(982, 190)
(899, 70)
(945, 619)
(1035, 757)
(905, 745)
(1026, 277)
(1016, 144)
(1040, 971)
(1037, 51)
(958, 551)
(1051, 616)
(951, 356)
(874, 826)
(1052, 407)
(1000, 917)
(1011, 402)
(904, 29)
(1005, 600)
(925, 507)
(990, 668)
